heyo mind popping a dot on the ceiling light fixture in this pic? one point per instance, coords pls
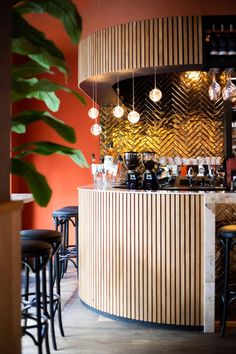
(93, 112)
(96, 129)
(155, 95)
(118, 111)
(133, 116)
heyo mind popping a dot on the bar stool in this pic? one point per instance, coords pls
(62, 219)
(227, 235)
(54, 238)
(35, 256)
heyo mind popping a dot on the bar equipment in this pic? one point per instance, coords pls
(132, 161)
(149, 176)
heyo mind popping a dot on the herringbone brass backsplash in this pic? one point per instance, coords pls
(184, 123)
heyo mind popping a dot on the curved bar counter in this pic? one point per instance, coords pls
(149, 256)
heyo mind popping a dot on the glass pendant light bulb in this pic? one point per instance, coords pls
(155, 95)
(96, 129)
(93, 113)
(133, 117)
(118, 111)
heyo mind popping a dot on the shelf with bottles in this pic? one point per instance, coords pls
(219, 41)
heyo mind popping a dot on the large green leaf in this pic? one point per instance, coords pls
(65, 11)
(39, 89)
(36, 182)
(21, 120)
(49, 148)
(29, 69)
(27, 40)
(34, 88)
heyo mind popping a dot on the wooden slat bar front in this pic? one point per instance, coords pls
(140, 255)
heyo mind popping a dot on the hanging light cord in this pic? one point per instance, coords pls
(155, 78)
(133, 91)
(118, 90)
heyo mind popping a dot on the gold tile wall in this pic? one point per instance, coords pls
(184, 123)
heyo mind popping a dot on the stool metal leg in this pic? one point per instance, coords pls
(51, 304)
(44, 295)
(58, 288)
(77, 243)
(227, 246)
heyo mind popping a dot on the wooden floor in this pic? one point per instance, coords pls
(88, 333)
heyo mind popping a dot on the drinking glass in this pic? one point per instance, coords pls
(229, 90)
(214, 90)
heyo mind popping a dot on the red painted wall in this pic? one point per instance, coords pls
(62, 174)
(98, 14)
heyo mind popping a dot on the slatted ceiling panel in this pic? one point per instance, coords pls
(140, 256)
(142, 44)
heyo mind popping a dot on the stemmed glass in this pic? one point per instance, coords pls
(214, 90)
(229, 90)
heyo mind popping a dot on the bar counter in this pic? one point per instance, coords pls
(150, 255)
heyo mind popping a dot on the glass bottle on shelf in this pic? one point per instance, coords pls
(223, 44)
(231, 41)
(214, 43)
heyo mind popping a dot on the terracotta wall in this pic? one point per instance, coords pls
(62, 174)
(98, 14)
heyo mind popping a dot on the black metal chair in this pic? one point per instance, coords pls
(35, 256)
(227, 235)
(54, 238)
(69, 252)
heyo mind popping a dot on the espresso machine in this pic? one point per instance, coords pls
(132, 161)
(149, 176)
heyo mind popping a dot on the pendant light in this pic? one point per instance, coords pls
(118, 111)
(155, 95)
(93, 112)
(96, 129)
(133, 116)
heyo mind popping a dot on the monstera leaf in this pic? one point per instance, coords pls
(41, 56)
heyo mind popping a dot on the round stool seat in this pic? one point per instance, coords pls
(32, 249)
(51, 236)
(228, 231)
(68, 211)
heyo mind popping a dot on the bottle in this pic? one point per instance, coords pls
(111, 151)
(231, 41)
(93, 159)
(121, 171)
(214, 42)
(223, 44)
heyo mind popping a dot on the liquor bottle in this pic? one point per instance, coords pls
(121, 171)
(111, 151)
(223, 44)
(214, 42)
(231, 41)
(93, 159)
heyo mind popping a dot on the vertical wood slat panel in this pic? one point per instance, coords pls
(141, 255)
(141, 44)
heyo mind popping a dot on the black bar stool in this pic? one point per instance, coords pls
(54, 238)
(227, 235)
(62, 219)
(35, 256)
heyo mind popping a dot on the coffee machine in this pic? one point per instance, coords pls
(149, 176)
(132, 161)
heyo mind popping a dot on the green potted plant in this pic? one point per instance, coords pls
(42, 56)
